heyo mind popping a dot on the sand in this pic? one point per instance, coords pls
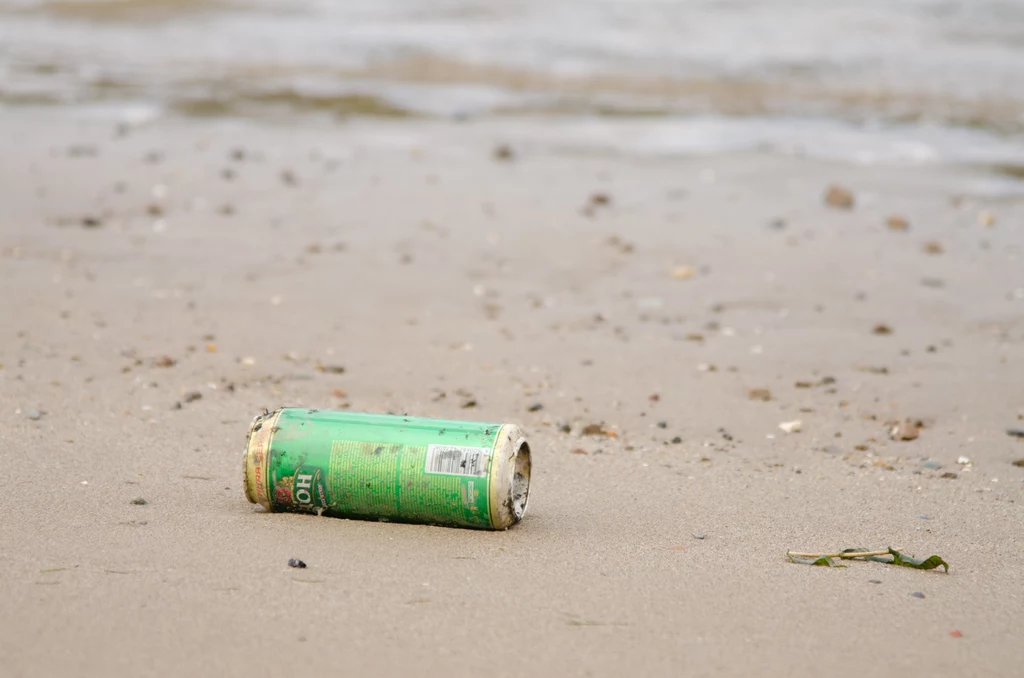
(249, 252)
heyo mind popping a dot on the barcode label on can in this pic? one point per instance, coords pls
(452, 460)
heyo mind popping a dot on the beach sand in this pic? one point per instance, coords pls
(248, 253)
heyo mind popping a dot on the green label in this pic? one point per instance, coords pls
(408, 473)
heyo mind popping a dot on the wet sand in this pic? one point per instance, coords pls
(248, 253)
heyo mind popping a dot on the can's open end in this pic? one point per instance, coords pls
(510, 481)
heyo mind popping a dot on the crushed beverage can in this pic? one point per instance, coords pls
(390, 468)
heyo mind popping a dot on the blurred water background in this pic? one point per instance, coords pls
(914, 81)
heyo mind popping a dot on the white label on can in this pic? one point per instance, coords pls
(451, 460)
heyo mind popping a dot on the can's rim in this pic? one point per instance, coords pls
(521, 479)
(257, 449)
(510, 477)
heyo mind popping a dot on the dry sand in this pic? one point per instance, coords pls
(404, 252)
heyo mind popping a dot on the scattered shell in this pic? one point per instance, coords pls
(897, 223)
(683, 272)
(986, 218)
(963, 460)
(165, 361)
(794, 426)
(839, 197)
(761, 394)
(905, 430)
(579, 450)
(933, 247)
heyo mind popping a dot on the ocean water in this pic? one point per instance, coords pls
(871, 81)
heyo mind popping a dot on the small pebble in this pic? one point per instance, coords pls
(536, 407)
(897, 223)
(874, 581)
(1015, 432)
(917, 594)
(905, 430)
(949, 475)
(677, 440)
(662, 424)
(699, 535)
(139, 501)
(934, 465)
(295, 562)
(34, 415)
(761, 394)
(504, 152)
(955, 633)
(881, 329)
(839, 197)
(192, 396)
(683, 272)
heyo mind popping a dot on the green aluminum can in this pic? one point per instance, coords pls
(390, 468)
